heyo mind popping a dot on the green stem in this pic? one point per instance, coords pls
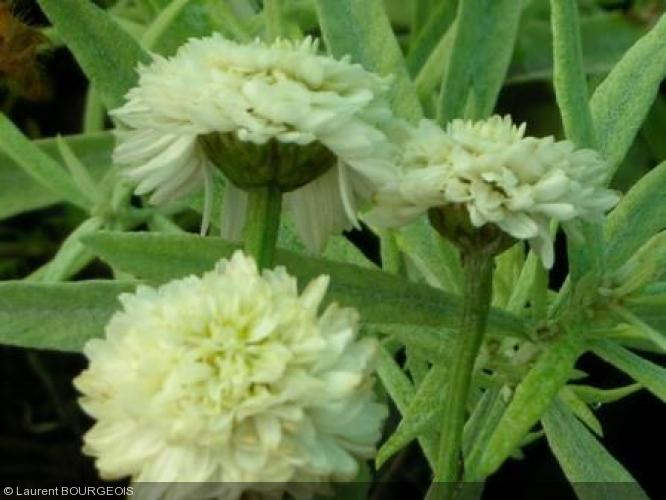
(392, 260)
(262, 222)
(273, 19)
(93, 117)
(478, 267)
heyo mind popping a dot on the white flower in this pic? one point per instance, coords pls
(502, 177)
(231, 378)
(216, 101)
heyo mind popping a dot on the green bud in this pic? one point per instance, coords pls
(453, 223)
(249, 166)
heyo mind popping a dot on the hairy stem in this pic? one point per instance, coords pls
(477, 292)
(262, 224)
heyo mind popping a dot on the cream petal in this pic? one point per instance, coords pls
(234, 206)
(318, 210)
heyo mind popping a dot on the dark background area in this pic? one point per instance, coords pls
(41, 425)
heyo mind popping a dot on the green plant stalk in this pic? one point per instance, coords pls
(274, 19)
(262, 223)
(478, 267)
(93, 117)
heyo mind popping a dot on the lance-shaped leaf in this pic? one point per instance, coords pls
(590, 469)
(419, 418)
(26, 193)
(619, 105)
(640, 215)
(37, 164)
(572, 98)
(59, 316)
(478, 64)
(440, 20)
(651, 375)
(569, 73)
(108, 55)
(380, 297)
(531, 399)
(478, 429)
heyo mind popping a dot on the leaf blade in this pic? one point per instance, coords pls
(60, 316)
(531, 399)
(379, 297)
(650, 375)
(619, 105)
(590, 469)
(38, 165)
(107, 54)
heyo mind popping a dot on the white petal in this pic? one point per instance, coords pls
(519, 225)
(234, 206)
(318, 210)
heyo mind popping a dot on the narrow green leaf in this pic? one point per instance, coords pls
(72, 256)
(478, 429)
(107, 54)
(419, 419)
(394, 380)
(431, 74)
(416, 364)
(640, 329)
(439, 22)
(37, 164)
(57, 316)
(399, 387)
(378, 296)
(508, 267)
(569, 74)
(591, 470)
(435, 258)
(94, 150)
(572, 98)
(619, 105)
(393, 262)
(646, 265)
(640, 214)
(580, 409)
(478, 64)
(521, 290)
(650, 375)
(361, 29)
(595, 395)
(78, 170)
(531, 399)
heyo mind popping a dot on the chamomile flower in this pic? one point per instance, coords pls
(233, 381)
(499, 176)
(276, 113)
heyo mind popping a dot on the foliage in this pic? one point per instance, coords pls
(454, 64)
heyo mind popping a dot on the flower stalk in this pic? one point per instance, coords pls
(477, 293)
(262, 224)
